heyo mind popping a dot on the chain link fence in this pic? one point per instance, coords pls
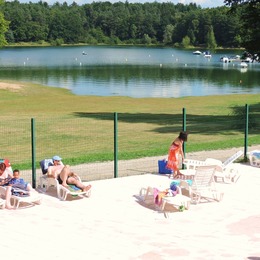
(86, 140)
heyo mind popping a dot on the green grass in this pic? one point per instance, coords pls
(80, 128)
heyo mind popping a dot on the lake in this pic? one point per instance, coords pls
(129, 71)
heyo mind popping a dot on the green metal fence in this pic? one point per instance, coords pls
(107, 145)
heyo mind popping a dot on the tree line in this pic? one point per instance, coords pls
(164, 23)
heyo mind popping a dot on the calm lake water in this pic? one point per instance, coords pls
(129, 71)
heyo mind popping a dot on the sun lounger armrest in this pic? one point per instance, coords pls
(232, 158)
(193, 164)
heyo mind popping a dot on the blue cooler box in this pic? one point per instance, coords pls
(162, 169)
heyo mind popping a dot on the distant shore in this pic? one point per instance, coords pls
(46, 44)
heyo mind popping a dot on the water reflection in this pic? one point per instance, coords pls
(134, 72)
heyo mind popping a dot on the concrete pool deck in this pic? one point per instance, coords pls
(114, 224)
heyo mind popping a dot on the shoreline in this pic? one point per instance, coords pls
(16, 85)
(46, 44)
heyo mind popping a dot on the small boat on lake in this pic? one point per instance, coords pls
(197, 52)
(234, 58)
(207, 54)
(225, 59)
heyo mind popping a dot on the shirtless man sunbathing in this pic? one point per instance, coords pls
(64, 175)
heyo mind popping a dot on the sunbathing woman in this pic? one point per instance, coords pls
(175, 152)
(5, 176)
(64, 175)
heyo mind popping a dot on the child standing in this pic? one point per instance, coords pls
(175, 151)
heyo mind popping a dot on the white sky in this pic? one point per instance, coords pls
(202, 3)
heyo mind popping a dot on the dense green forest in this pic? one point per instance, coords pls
(165, 24)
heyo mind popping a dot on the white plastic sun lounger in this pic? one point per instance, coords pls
(224, 171)
(147, 196)
(203, 185)
(62, 192)
(31, 200)
(2, 203)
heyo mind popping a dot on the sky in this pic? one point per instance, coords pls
(202, 3)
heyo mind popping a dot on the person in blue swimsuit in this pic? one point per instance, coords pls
(19, 183)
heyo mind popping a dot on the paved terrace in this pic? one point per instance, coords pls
(114, 224)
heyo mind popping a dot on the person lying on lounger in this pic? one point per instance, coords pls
(4, 179)
(64, 175)
(19, 186)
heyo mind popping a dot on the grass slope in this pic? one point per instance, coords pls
(147, 125)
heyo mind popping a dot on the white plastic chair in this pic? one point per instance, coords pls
(203, 185)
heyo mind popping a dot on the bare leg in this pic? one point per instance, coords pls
(64, 174)
(67, 179)
(30, 189)
(8, 198)
(74, 181)
(177, 174)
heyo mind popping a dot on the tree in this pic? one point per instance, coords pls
(222, 21)
(251, 28)
(147, 39)
(250, 20)
(210, 39)
(3, 27)
(234, 3)
(135, 23)
(185, 42)
(167, 36)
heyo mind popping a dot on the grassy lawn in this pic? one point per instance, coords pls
(146, 125)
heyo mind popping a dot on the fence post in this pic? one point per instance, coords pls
(246, 131)
(33, 153)
(184, 129)
(115, 147)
